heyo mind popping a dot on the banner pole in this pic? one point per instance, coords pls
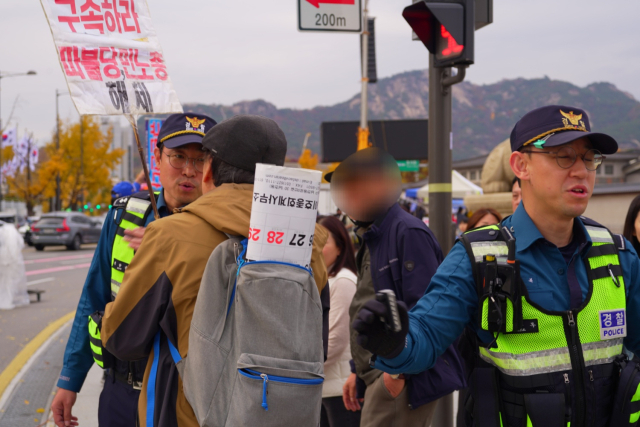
(144, 166)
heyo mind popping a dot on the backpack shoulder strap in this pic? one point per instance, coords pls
(240, 255)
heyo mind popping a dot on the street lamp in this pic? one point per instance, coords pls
(2, 76)
(58, 201)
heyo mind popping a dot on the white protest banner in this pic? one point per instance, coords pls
(111, 57)
(283, 214)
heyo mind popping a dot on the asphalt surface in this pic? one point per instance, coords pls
(58, 272)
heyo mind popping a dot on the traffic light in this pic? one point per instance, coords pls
(446, 28)
(372, 70)
(98, 207)
(86, 207)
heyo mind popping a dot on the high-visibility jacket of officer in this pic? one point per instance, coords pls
(180, 159)
(550, 297)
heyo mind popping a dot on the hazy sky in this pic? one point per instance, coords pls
(224, 51)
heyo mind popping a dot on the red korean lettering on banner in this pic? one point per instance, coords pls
(71, 61)
(91, 64)
(157, 62)
(112, 63)
(119, 16)
(109, 62)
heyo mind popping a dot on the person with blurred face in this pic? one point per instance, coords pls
(547, 346)
(180, 159)
(398, 253)
(516, 193)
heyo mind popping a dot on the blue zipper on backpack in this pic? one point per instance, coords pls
(254, 375)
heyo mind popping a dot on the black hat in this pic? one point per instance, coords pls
(182, 129)
(555, 125)
(369, 160)
(243, 141)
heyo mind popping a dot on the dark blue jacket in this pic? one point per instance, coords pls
(404, 256)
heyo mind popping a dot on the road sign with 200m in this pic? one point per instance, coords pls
(330, 15)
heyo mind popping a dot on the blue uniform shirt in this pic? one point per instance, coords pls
(451, 301)
(96, 293)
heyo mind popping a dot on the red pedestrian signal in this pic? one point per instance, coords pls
(445, 28)
(447, 45)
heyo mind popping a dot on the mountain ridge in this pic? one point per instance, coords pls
(483, 115)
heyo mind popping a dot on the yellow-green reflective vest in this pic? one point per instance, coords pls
(136, 212)
(135, 215)
(570, 341)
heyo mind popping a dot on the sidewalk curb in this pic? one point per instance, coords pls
(10, 376)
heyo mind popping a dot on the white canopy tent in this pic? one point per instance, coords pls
(460, 187)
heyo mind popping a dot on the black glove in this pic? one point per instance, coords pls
(375, 335)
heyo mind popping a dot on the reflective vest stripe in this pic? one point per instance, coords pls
(599, 235)
(115, 287)
(138, 205)
(555, 360)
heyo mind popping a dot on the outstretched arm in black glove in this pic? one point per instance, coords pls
(375, 334)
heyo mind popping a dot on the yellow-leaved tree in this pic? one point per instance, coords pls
(84, 162)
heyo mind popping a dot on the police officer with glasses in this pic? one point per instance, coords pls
(180, 159)
(549, 301)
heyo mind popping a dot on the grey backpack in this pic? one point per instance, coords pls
(255, 344)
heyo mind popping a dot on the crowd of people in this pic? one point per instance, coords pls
(534, 315)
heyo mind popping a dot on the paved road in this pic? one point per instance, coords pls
(60, 273)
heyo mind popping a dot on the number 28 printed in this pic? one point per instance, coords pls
(277, 238)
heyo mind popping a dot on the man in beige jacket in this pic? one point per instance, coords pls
(160, 286)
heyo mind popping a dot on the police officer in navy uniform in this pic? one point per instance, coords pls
(551, 299)
(180, 160)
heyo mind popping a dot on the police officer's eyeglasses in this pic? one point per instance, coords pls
(180, 161)
(567, 156)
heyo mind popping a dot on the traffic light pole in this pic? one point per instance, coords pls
(440, 146)
(363, 131)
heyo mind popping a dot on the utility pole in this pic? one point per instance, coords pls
(58, 204)
(28, 189)
(440, 146)
(81, 161)
(363, 131)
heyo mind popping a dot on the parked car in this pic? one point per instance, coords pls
(70, 229)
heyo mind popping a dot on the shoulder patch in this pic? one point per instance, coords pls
(121, 202)
(409, 265)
